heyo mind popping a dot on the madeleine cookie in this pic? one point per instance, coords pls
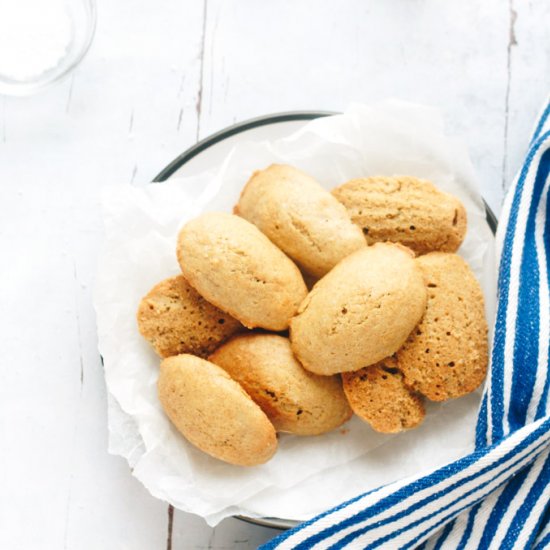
(378, 395)
(213, 412)
(406, 210)
(304, 220)
(238, 269)
(446, 356)
(175, 319)
(360, 312)
(295, 400)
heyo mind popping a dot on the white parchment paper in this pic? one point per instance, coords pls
(308, 474)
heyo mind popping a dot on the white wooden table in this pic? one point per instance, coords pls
(160, 75)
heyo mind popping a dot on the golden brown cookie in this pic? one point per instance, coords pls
(446, 355)
(295, 400)
(236, 267)
(213, 412)
(360, 312)
(304, 220)
(174, 318)
(406, 210)
(378, 395)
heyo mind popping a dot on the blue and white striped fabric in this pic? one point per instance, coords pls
(498, 496)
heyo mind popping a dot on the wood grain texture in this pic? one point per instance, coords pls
(323, 55)
(159, 75)
(528, 78)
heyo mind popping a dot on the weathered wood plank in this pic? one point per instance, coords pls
(191, 532)
(529, 78)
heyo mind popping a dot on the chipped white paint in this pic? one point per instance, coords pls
(158, 75)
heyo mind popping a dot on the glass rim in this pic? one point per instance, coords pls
(24, 89)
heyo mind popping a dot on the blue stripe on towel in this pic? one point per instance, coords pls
(501, 506)
(526, 345)
(443, 537)
(469, 526)
(523, 514)
(542, 408)
(543, 536)
(498, 404)
(437, 477)
(349, 538)
(481, 427)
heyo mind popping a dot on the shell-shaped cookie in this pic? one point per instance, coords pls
(304, 220)
(237, 268)
(295, 400)
(446, 355)
(174, 318)
(213, 412)
(360, 312)
(406, 210)
(378, 395)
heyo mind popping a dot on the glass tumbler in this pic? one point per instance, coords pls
(42, 41)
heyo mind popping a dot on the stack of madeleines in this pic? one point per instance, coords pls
(392, 314)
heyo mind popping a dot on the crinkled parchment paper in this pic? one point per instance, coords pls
(308, 474)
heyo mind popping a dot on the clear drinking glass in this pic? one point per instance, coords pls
(42, 41)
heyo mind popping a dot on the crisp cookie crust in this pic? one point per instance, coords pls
(294, 399)
(213, 412)
(302, 218)
(174, 318)
(237, 268)
(360, 312)
(378, 395)
(446, 355)
(407, 210)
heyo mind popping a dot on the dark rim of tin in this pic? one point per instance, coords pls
(186, 156)
(252, 123)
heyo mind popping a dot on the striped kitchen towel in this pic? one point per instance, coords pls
(499, 495)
